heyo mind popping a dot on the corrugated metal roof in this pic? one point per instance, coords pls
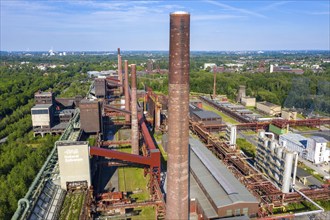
(37, 106)
(296, 138)
(196, 192)
(319, 139)
(206, 114)
(221, 185)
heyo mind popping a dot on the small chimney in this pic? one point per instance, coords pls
(134, 123)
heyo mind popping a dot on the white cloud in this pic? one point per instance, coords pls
(235, 9)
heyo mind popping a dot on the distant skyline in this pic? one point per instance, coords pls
(74, 25)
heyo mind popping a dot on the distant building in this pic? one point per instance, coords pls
(289, 114)
(276, 161)
(313, 149)
(100, 87)
(43, 98)
(90, 116)
(241, 93)
(248, 101)
(42, 116)
(286, 69)
(209, 65)
(101, 74)
(269, 108)
(50, 115)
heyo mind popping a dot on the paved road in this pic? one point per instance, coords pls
(321, 169)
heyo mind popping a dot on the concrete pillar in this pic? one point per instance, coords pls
(134, 121)
(120, 72)
(126, 90)
(177, 198)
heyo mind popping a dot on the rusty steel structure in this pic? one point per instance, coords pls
(134, 121)
(177, 198)
(120, 72)
(254, 125)
(269, 196)
(150, 160)
(154, 108)
(126, 92)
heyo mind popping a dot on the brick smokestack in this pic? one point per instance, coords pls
(214, 81)
(134, 125)
(120, 72)
(126, 90)
(177, 198)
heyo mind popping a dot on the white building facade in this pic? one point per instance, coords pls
(313, 149)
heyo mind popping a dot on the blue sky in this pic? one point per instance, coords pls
(144, 25)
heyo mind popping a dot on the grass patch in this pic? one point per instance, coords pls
(145, 214)
(248, 148)
(72, 206)
(305, 128)
(249, 132)
(162, 151)
(225, 117)
(132, 179)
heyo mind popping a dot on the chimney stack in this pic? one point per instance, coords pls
(126, 90)
(177, 198)
(134, 125)
(214, 81)
(120, 72)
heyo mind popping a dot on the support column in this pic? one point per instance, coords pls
(177, 198)
(134, 123)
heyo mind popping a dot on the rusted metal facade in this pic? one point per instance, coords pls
(177, 199)
(134, 124)
(126, 91)
(100, 87)
(120, 72)
(90, 116)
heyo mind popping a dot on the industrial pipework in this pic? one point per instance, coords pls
(177, 198)
(134, 125)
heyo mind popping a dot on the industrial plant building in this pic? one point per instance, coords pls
(313, 148)
(276, 161)
(51, 115)
(74, 163)
(248, 101)
(289, 114)
(226, 196)
(269, 108)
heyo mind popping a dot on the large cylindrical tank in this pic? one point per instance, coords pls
(272, 146)
(262, 134)
(287, 172)
(279, 152)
